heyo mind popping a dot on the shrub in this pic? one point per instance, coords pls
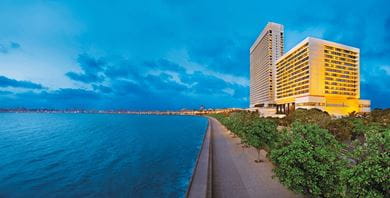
(370, 176)
(341, 128)
(261, 134)
(359, 126)
(238, 122)
(380, 116)
(307, 159)
(309, 116)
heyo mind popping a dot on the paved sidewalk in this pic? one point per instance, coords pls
(235, 174)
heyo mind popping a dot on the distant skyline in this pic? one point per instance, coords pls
(169, 54)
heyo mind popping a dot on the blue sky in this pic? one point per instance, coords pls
(168, 54)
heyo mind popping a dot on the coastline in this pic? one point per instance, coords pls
(201, 180)
(84, 111)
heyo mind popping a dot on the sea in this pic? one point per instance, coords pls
(98, 155)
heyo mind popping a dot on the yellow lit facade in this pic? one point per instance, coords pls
(319, 74)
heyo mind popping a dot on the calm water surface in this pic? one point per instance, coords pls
(97, 155)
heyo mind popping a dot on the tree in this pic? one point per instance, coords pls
(369, 175)
(239, 123)
(359, 126)
(308, 116)
(261, 135)
(308, 161)
(380, 116)
(341, 128)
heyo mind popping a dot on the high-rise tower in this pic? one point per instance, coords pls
(264, 52)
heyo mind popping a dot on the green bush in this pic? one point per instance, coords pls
(359, 127)
(308, 116)
(369, 175)
(308, 161)
(308, 157)
(341, 128)
(352, 128)
(380, 116)
(238, 122)
(261, 134)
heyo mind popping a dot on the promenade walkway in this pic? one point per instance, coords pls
(234, 172)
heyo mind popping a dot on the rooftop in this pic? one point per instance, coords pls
(270, 25)
(317, 40)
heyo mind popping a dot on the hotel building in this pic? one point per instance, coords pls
(267, 48)
(318, 74)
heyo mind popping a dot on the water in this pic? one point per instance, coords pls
(97, 155)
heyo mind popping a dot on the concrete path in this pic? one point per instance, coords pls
(235, 174)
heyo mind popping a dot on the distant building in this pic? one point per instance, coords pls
(314, 74)
(264, 52)
(320, 74)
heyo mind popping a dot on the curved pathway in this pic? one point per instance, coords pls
(234, 172)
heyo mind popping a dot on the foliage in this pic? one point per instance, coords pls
(370, 176)
(380, 116)
(308, 161)
(311, 116)
(261, 135)
(341, 128)
(359, 126)
(238, 122)
(253, 130)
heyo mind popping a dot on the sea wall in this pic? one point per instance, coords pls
(201, 180)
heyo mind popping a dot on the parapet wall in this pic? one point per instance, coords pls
(201, 180)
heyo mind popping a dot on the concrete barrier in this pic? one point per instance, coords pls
(201, 180)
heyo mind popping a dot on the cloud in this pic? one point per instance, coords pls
(122, 69)
(102, 88)
(7, 82)
(119, 68)
(386, 69)
(85, 78)
(5, 92)
(128, 88)
(163, 83)
(163, 64)
(137, 73)
(204, 84)
(7, 47)
(66, 94)
(90, 64)
(160, 84)
(226, 55)
(229, 91)
(152, 78)
(14, 45)
(61, 98)
(91, 68)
